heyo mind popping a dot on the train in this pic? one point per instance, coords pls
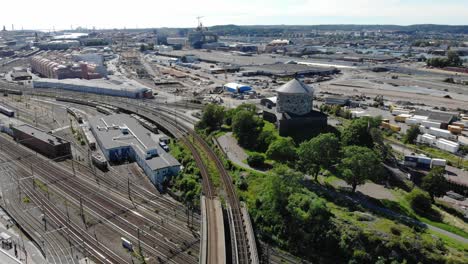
(90, 139)
(7, 112)
(7, 91)
(99, 161)
(91, 103)
(146, 124)
(74, 112)
(104, 110)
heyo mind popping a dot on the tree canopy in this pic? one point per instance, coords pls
(357, 132)
(320, 152)
(212, 117)
(358, 165)
(282, 150)
(435, 183)
(411, 135)
(246, 127)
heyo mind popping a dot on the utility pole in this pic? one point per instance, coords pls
(82, 213)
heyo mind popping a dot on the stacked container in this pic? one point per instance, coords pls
(424, 162)
(431, 124)
(402, 117)
(399, 111)
(455, 129)
(441, 133)
(447, 145)
(438, 163)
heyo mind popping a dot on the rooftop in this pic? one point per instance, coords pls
(121, 130)
(295, 86)
(40, 134)
(436, 116)
(112, 84)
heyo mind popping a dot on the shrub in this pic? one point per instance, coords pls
(255, 160)
(419, 200)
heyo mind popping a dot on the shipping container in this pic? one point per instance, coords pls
(441, 133)
(424, 160)
(428, 139)
(423, 129)
(430, 124)
(395, 128)
(455, 129)
(412, 121)
(402, 117)
(385, 125)
(463, 140)
(459, 124)
(399, 111)
(447, 145)
(438, 163)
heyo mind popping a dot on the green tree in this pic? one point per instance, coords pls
(320, 152)
(307, 218)
(411, 135)
(246, 127)
(282, 150)
(264, 140)
(454, 59)
(358, 165)
(357, 132)
(233, 111)
(256, 160)
(384, 151)
(419, 200)
(435, 183)
(212, 118)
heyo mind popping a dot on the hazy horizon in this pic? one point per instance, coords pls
(50, 14)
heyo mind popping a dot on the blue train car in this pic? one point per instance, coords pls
(7, 112)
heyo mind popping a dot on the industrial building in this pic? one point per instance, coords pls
(236, 88)
(122, 138)
(293, 111)
(38, 140)
(112, 87)
(288, 70)
(443, 118)
(59, 69)
(58, 44)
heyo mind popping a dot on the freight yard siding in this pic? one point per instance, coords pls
(42, 142)
(112, 88)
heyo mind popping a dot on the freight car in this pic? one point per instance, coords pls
(74, 112)
(99, 161)
(104, 110)
(7, 91)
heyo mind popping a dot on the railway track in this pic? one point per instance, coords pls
(75, 233)
(156, 239)
(242, 247)
(181, 132)
(55, 251)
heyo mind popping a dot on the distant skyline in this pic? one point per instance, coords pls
(59, 14)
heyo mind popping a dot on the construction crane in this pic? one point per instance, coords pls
(200, 25)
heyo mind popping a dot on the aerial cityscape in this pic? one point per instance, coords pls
(243, 132)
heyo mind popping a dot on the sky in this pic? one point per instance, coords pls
(63, 14)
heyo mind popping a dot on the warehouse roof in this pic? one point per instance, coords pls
(129, 85)
(40, 134)
(442, 117)
(121, 130)
(295, 86)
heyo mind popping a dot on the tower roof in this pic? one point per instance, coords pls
(295, 86)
